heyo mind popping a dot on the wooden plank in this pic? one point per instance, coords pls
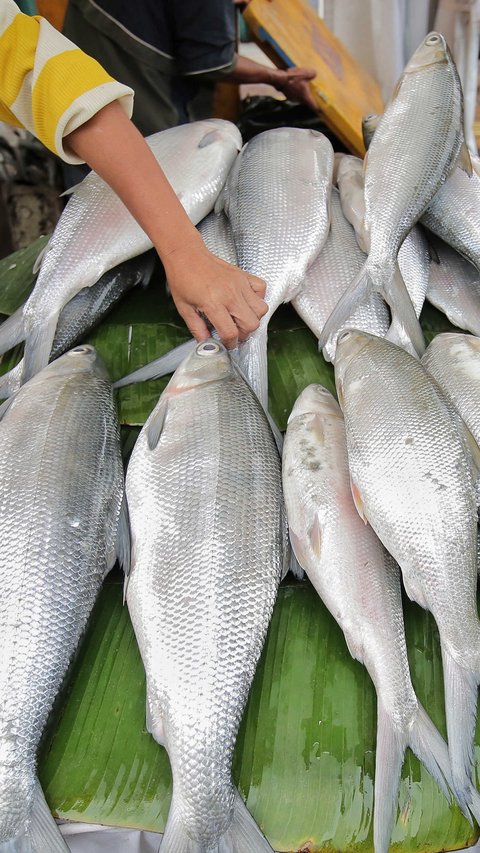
(290, 33)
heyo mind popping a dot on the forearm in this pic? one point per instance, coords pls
(131, 169)
(247, 70)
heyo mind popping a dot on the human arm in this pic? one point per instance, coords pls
(293, 82)
(199, 281)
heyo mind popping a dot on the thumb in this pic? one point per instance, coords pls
(303, 73)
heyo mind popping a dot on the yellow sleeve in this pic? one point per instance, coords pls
(48, 85)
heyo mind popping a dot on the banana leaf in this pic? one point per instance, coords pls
(305, 753)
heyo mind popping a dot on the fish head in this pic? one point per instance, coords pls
(432, 50)
(81, 359)
(315, 400)
(208, 362)
(350, 344)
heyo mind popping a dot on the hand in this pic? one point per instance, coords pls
(293, 82)
(231, 299)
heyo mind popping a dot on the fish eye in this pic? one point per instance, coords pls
(433, 39)
(208, 348)
(344, 336)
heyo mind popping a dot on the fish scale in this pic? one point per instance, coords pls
(414, 482)
(201, 592)
(277, 199)
(61, 487)
(96, 232)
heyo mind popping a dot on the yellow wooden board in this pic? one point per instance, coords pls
(291, 33)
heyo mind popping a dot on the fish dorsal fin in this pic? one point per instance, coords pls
(358, 501)
(38, 260)
(6, 405)
(157, 420)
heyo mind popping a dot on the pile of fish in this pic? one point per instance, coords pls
(379, 487)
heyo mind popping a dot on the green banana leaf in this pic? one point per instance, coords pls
(305, 753)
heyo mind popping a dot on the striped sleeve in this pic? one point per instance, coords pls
(48, 85)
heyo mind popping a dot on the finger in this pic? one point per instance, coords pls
(195, 323)
(302, 73)
(245, 317)
(258, 285)
(225, 326)
(256, 303)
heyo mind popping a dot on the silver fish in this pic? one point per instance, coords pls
(413, 480)
(96, 232)
(360, 584)
(204, 471)
(61, 488)
(454, 287)
(217, 236)
(453, 360)
(453, 212)
(277, 201)
(85, 310)
(328, 277)
(416, 145)
(413, 254)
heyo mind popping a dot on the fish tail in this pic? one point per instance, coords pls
(38, 346)
(241, 836)
(356, 293)
(405, 329)
(253, 362)
(461, 687)
(42, 833)
(428, 745)
(12, 331)
(160, 367)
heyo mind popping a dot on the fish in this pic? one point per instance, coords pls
(217, 236)
(413, 480)
(209, 547)
(453, 359)
(86, 310)
(413, 254)
(454, 286)
(329, 276)
(96, 232)
(277, 200)
(360, 584)
(63, 522)
(418, 142)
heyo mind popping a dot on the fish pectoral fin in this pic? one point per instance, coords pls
(355, 647)
(315, 537)
(464, 160)
(358, 500)
(414, 590)
(154, 721)
(157, 420)
(123, 546)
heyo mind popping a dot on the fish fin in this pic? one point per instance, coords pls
(39, 259)
(358, 501)
(389, 755)
(461, 687)
(154, 721)
(241, 836)
(297, 547)
(71, 190)
(156, 422)
(221, 201)
(160, 367)
(294, 567)
(12, 331)
(464, 160)
(414, 590)
(42, 833)
(38, 346)
(253, 354)
(210, 137)
(315, 537)
(426, 742)
(358, 291)
(405, 330)
(123, 545)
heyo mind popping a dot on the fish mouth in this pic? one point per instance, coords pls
(432, 51)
